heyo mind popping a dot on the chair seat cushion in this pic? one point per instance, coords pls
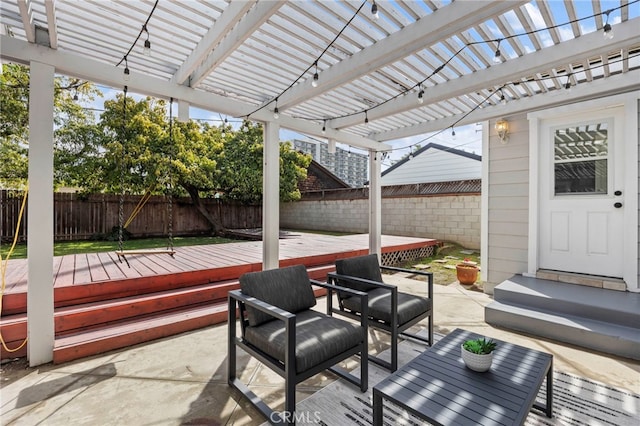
(319, 337)
(409, 306)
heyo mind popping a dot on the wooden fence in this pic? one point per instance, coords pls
(86, 217)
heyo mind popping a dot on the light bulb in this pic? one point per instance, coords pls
(276, 113)
(126, 76)
(496, 58)
(147, 48)
(314, 83)
(420, 97)
(608, 31)
(374, 10)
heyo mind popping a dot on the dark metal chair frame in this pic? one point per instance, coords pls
(396, 330)
(287, 370)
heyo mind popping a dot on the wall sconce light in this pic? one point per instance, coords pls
(502, 128)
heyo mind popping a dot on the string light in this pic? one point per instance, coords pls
(374, 10)
(567, 85)
(126, 76)
(147, 44)
(420, 94)
(314, 83)
(503, 100)
(497, 58)
(607, 30)
(366, 117)
(324, 127)
(276, 112)
(453, 133)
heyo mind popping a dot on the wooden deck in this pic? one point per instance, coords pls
(95, 289)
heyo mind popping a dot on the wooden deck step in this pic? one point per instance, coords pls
(138, 330)
(95, 327)
(124, 333)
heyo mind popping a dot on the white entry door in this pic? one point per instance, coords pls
(581, 194)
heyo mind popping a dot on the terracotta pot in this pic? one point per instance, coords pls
(467, 274)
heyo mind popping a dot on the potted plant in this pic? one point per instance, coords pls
(467, 272)
(477, 354)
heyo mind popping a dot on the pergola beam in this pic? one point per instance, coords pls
(52, 26)
(592, 44)
(425, 32)
(87, 69)
(26, 13)
(254, 18)
(223, 26)
(614, 85)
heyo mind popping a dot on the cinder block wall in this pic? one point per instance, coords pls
(445, 218)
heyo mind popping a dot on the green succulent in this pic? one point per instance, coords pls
(479, 346)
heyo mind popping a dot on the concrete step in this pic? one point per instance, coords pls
(598, 319)
(617, 307)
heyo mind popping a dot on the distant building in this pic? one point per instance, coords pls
(319, 178)
(351, 167)
(434, 163)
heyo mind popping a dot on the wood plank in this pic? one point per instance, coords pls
(65, 274)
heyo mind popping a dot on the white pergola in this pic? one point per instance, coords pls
(245, 58)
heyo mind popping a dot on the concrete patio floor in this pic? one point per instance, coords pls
(181, 380)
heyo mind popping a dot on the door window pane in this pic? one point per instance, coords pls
(581, 159)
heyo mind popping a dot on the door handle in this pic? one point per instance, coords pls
(617, 205)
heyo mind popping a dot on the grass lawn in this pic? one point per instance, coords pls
(443, 263)
(72, 247)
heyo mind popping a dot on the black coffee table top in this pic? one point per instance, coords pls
(438, 387)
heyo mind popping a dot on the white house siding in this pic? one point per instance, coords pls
(639, 192)
(508, 203)
(434, 165)
(446, 218)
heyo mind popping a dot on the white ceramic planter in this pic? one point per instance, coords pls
(476, 362)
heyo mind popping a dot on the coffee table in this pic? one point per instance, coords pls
(437, 387)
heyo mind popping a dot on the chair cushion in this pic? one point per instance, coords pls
(287, 288)
(319, 337)
(409, 306)
(366, 267)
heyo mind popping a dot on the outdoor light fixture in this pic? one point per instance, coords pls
(332, 146)
(366, 117)
(374, 10)
(497, 57)
(324, 127)
(314, 83)
(147, 44)
(126, 75)
(453, 133)
(503, 99)
(276, 113)
(608, 32)
(567, 85)
(502, 128)
(420, 96)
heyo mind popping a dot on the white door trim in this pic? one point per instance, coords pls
(630, 103)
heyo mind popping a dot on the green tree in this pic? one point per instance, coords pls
(73, 124)
(196, 157)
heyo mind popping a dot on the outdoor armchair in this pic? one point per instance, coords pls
(388, 309)
(279, 328)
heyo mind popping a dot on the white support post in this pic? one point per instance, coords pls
(183, 111)
(271, 196)
(40, 326)
(375, 203)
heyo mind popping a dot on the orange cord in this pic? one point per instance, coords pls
(3, 270)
